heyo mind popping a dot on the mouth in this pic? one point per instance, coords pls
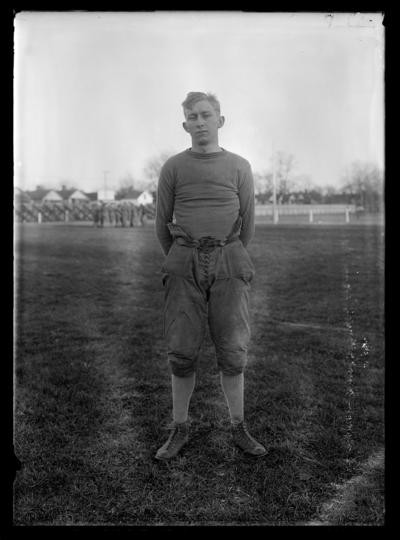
(202, 132)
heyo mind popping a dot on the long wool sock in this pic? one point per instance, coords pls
(182, 390)
(233, 388)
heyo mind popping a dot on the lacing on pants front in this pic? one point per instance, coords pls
(204, 267)
(206, 251)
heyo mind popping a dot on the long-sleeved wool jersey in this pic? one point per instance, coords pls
(205, 193)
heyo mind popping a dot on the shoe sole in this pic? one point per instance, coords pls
(255, 455)
(160, 458)
(165, 458)
(249, 454)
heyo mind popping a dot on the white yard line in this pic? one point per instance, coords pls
(326, 327)
(346, 492)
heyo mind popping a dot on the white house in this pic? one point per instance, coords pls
(138, 197)
(72, 195)
(106, 195)
(78, 195)
(20, 196)
(52, 196)
(145, 198)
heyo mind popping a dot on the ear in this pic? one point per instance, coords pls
(185, 127)
(221, 121)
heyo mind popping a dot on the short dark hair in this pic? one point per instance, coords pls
(194, 97)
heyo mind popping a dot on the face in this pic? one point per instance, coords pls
(202, 123)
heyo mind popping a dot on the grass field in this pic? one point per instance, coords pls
(92, 395)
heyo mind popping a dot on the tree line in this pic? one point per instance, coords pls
(361, 184)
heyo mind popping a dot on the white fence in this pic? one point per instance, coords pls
(310, 210)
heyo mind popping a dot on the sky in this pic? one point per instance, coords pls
(96, 95)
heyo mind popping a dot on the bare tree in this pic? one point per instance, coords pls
(363, 182)
(263, 186)
(125, 185)
(284, 164)
(262, 182)
(127, 181)
(330, 194)
(153, 168)
(302, 182)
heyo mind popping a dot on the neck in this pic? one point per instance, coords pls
(206, 148)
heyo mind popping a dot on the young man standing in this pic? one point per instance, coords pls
(204, 221)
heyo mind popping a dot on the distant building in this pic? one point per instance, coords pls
(92, 196)
(72, 195)
(41, 194)
(20, 196)
(145, 198)
(131, 195)
(106, 195)
(138, 197)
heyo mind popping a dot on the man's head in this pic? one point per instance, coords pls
(194, 97)
(202, 120)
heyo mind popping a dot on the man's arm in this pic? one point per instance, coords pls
(164, 208)
(247, 204)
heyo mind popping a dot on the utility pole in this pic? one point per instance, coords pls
(105, 180)
(274, 207)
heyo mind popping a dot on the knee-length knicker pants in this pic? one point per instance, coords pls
(207, 287)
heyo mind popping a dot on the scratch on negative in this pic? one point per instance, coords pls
(350, 366)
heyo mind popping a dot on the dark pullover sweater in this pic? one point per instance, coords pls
(205, 193)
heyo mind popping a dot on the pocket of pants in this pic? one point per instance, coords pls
(236, 262)
(181, 333)
(177, 261)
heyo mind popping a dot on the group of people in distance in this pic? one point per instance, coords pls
(118, 214)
